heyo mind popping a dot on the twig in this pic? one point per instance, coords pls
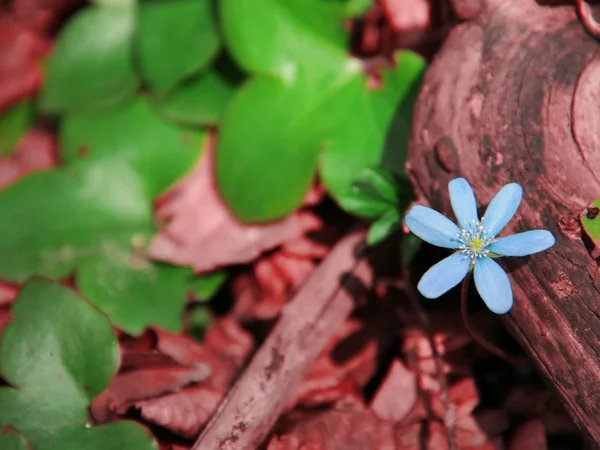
(450, 413)
(515, 361)
(270, 382)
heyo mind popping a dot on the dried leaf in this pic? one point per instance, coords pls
(184, 412)
(36, 151)
(346, 427)
(530, 435)
(397, 394)
(125, 388)
(202, 232)
(20, 52)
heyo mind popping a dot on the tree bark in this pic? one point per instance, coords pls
(514, 95)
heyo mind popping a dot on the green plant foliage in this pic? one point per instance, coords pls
(357, 8)
(375, 127)
(379, 195)
(160, 152)
(307, 106)
(133, 291)
(175, 39)
(11, 439)
(205, 286)
(94, 216)
(276, 36)
(91, 66)
(268, 150)
(202, 99)
(57, 355)
(384, 226)
(13, 125)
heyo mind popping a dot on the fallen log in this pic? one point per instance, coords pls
(514, 95)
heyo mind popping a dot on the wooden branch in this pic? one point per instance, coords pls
(514, 96)
(271, 380)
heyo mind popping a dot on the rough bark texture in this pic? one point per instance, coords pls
(514, 95)
(270, 382)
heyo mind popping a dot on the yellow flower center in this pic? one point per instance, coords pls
(476, 243)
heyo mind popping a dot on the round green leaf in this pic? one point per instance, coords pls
(158, 151)
(363, 139)
(175, 39)
(202, 99)
(53, 220)
(91, 66)
(57, 354)
(268, 145)
(275, 35)
(133, 291)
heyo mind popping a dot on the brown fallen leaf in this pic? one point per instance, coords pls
(37, 150)
(397, 394)
(349, 360)
(8, 293)
(263, 291)
(529, 435)
(42, 16)
(348, 426)
(127, 387)
(202, 233)
(20, 53)
(224, 349)
(408, 15)
(409, 437)
(184, 412)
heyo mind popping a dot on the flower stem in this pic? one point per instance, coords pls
(519, 363)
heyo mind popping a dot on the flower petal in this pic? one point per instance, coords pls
(446, 274)
(502, 208)
(523, 244)
(432, 227)
(493, 285)
(463, 202)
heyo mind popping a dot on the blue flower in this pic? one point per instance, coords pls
(475, 243)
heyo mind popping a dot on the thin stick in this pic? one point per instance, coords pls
(450, 413)
(518, 362)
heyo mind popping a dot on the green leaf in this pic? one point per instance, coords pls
(410, 246)
(198, 321)
(275, 36)
(384, 227)
(176, 39)
(13, 125)
(156, 149)
(357, 8)
(56, 219)
(590, 222)
(202, 99)
(133, 291)
(267, 149)
(205, 286)
(11, 439)
(58, 354)
(91, 65)
(90, 216)
(362, 139)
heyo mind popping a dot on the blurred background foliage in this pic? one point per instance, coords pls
(137, 87)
